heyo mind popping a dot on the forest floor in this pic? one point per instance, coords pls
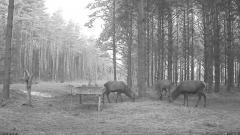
(50, 114)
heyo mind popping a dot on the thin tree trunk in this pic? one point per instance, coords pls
(148, 45)
(187, 44)
(199, 70)
(159, 42)
(170, 43)
(216, 48)
(192, 47)
(152, 47)
(205, 43)
(229, 43)
(114, 44)
(162, 43)
(176, 59)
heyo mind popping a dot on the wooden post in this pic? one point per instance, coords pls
(71, 101)
(27, 78)
(99, 102)
(80, 98)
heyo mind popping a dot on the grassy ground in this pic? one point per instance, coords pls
(50, 114)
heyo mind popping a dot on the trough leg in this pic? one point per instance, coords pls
(103, 98)
(71, 102)
(80, 98)
(99, 102)
(187, 98)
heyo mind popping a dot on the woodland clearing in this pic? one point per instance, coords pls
(50, 113)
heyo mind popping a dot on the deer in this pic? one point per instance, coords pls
(119, 87)
(189, 87)
(163, 85)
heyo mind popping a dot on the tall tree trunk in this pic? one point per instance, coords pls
(114, 44)
(216, 48)
(153, 48)
(230, 55)
(192, 46)
(210, 54)
(158, 48)
(162, 42)
(7, 61)
(170, 43)
(141, 54)
(148, 45)
(129, 75)
(176, 57)
(208, 49)
(225, 53)
(187, 44)
(205, 42)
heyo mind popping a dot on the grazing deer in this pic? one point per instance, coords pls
(163, 85)
(119, 87)
(189, 87)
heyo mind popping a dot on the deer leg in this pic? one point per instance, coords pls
(204, 96)
(103, 97)
(160, 92)
(118, 94)
(199, 98)
(116, 98)
(169, 90)
(185, 97)
(108, 96)
(165, 91)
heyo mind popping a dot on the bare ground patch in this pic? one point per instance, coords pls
(50, 114)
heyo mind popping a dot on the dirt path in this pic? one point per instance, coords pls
(50, 114)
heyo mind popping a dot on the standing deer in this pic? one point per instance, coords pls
(163, 85)
(189, 87)
(119, 87)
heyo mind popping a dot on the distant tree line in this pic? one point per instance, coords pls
(48, 47)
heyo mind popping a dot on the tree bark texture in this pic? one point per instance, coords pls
(141, 52)
(8, 43)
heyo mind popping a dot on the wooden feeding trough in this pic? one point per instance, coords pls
(87, 91)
